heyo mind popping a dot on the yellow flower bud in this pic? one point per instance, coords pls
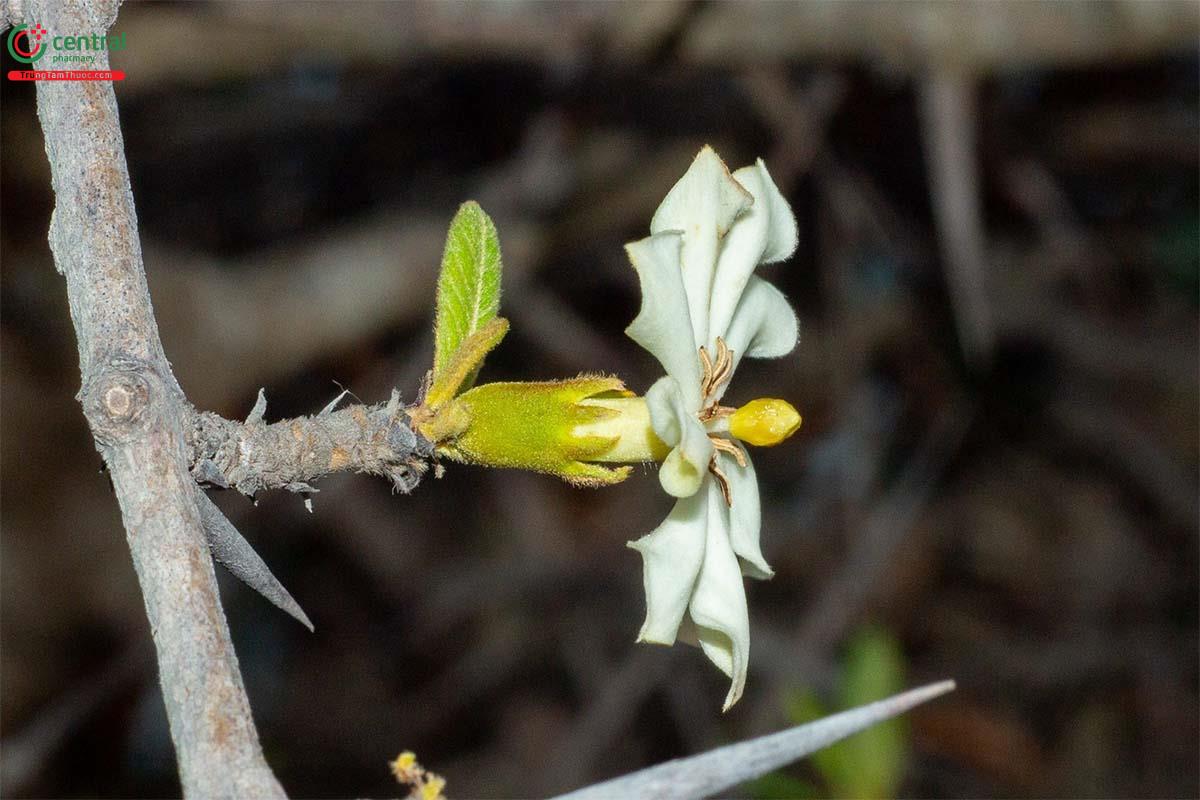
(405, 766)
(433, 788)
(764, 422)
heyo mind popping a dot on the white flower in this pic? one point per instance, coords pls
(702, 310)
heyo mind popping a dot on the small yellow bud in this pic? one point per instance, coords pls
(404, 765)
(432, 790)
(764, 422)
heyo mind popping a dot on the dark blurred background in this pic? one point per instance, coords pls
(996, 480)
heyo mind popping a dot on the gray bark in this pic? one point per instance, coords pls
(136, 411)
(254, 455)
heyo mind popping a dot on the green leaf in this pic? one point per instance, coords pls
(460, 373)
(468, 293)
(869, 764)
(781, 786)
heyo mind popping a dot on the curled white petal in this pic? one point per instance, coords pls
(668, 412)
(763, 326)
(766, 232)
(675, 423)
(745, 517)
(784, 233)
(718, 606)
(680, 474)
(671, 556)
(702, 206)
(663, 326)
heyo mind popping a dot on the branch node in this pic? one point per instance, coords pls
(116, 399)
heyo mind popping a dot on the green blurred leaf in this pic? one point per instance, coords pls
(468, 294)
(1175, 252)
(802, 706)
(780, 786)
(869, 764)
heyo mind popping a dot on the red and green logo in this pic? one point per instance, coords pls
(25, 43)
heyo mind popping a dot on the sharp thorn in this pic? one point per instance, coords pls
(260, 409)
(206, 471)
(229, 548)
(333, 403)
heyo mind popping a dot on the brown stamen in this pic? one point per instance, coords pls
(706, 375)
(715, 374)
(724, 367)
(715, 411)
(722, 481)
(726, 446)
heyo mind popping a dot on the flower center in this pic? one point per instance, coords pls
(764, 422)
(715, 375)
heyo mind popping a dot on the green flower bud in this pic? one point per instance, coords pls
(554, 427)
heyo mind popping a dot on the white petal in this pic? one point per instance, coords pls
(745, 517)
(766, 232)
(718, 604)
(783, 234)
(671, 557)
(763, 326)
(663, 326)
(702, 206)
(675, 423)
(681, 474)
(706, 184)
(668, 413)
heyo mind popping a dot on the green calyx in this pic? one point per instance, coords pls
(545, 427)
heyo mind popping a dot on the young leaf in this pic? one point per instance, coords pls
(458, 373)
(468, 294)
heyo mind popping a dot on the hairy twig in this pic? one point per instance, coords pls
(253, 456)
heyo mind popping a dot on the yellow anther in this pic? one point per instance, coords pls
(764, 422)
